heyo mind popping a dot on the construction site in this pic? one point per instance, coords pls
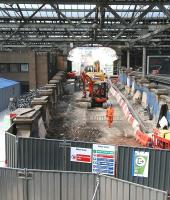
(84, 100)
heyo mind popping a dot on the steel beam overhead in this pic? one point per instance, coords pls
(117, 16)
(22, 24)
(84, 18)
(20, 11)
(135, 20)
(152, 34)
(111, 2)
(64, 17)
(90, 22)
(164, 10)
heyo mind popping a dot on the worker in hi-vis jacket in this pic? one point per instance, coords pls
(109, 115)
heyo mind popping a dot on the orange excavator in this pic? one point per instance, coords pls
(98, 90)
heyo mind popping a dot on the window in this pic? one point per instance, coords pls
(15, 68)
(4, 68)
(24, 67)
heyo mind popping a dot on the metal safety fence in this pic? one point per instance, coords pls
(22, 184)
(131, 166)
(117, 189)
(45, 154)
(145, 166)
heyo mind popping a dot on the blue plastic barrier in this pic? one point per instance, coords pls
(129, 81)
(149, 99)
(138, 87)
(123, 78)
(154, 105)
(168, 117)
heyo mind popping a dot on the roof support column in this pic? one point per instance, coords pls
(118, 63)
(144, 62)
(128, 58)
(65, 63)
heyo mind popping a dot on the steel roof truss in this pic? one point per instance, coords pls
(135, 20)
(122, 21)
(20, 12)
(22, 24)
(164, 10)
(152, 34)
(64, 17)
(84, 18)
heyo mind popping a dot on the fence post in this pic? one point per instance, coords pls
(16, 152)
(26, 175)
(64, 145)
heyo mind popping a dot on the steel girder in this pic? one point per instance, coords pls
(108, 27)
(111, 2)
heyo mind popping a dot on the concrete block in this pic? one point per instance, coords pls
(27, 121)
(166, 98)
(41, 128)
(127, 89)
(57, 77)
(142, 81)
(54, 88)
(43, 102)
(150, 85)
(137, 97)
(69, 88)
(57, 83)
(144, 99)
(54, 82)
(160, 91)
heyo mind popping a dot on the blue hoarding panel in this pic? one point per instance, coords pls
(8, 89)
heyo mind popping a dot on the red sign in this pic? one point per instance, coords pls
(83, 158)
(81, 155)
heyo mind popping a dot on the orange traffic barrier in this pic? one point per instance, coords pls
(160, 143)
(143, 138)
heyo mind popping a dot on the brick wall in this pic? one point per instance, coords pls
(20, 57)
(39, 66)
(32, 70)
(61, 63)
(42, 68)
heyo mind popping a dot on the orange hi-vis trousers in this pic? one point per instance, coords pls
(109, 116)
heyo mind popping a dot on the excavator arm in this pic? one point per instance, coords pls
(86, 79)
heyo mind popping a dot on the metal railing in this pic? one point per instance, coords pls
(23, 184)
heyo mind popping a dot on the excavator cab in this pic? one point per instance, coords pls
(94, 72)
(100, 94)
(98, 90)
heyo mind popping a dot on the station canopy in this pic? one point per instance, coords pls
(65, 24)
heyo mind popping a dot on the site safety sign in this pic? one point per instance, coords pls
(81, 155)
(103, 159)
(140, 163)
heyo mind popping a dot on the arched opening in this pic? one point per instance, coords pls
(87, 57)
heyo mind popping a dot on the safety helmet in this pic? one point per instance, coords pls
(109, 104)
